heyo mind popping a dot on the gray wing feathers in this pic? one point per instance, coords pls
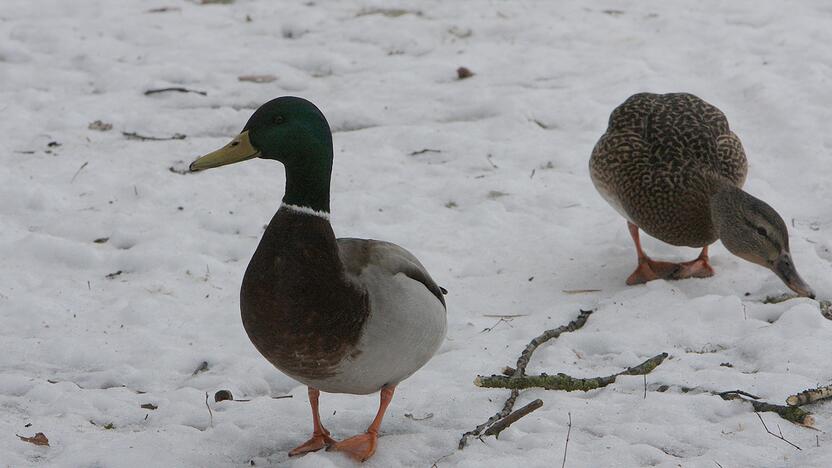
(356, 254)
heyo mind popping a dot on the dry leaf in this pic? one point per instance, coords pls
(462, 73)
(37, 439)
(100, 126)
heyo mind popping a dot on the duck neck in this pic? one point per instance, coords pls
(307, 182)
(725, 197)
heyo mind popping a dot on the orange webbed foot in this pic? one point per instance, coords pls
(359, 448)
(649, 270)
(699, 268)
(317, 442)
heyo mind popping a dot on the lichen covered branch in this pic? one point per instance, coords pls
(565, 382)
(789, 413)
(500, 425)
(810, 396)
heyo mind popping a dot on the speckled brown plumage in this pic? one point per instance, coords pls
(660, 161)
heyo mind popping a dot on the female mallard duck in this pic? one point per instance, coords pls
(339, 315)
(671, 166)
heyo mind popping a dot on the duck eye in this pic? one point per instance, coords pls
(235, 143)
(278, 119)
(761, 231)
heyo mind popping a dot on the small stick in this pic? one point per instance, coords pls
(737, 392)
(248, 399)
(502, 424)
(78, 171)
(136, 136)
(566, 446)
(775, 435)
(436, 463)
(176, 89)
(426, 150)
(492, 327)
(488, 157)
(210, 413)
(563, 381)
(810, 396)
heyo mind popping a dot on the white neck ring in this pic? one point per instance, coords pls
(305, 210)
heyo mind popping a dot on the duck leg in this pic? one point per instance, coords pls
(320, 436)
(698, 268)
(363, 446)
(648, 269)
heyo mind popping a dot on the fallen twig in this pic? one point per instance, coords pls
(507, 421)
(775, 435)
(136, 136)
(163, 9)
(810, 396)
(790, 413)
(579, 291)
(566, 445)
(488, 157)
(114, 274)
(423, 151)
(210, 413)
(520, 370)
(78, 171)
(426, 417)
(738, 392)
(563, 381)
(177, 89)
(436, 463)
(492, 327)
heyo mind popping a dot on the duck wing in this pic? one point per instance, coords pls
(358, 254)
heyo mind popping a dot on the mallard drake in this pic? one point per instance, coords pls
(351, 316)
(672, 167)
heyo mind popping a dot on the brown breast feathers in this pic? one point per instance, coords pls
(297, 306)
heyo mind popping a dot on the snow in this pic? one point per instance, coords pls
(503, 214)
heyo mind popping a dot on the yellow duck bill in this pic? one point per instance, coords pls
(239, 149)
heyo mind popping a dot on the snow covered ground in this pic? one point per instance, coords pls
(500, 209)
